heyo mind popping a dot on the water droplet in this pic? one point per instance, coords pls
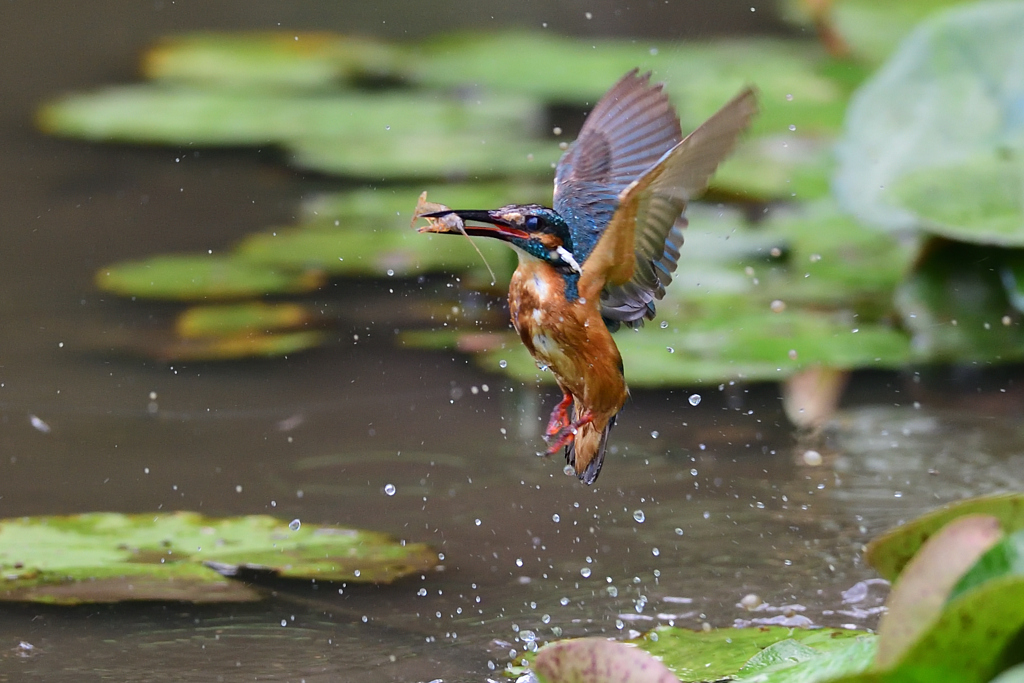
(422, 592)
(612, 591)
(295, 524)
(569, 471)
(585, 572)
(546, 619)
(389, 489)
(619, 625)
(655, 552)
(812, 458)
(670, 349)
(556, 518)
(792, 126)
(519, 562)
(778, 306)
(679, 531)
(654, 434)
(284, 622)
(639, 516)
(789, 98)
(664, 324)
(502, 363)
(694, 399)
(563, 602)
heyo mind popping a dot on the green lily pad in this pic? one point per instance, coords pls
(956, 306)
(792, 77)
(109, 557)
(976, 636)
(394, 205)
(374, 252)
(229, 319)
(721, 653)
(935, 140)
(271, 60)
(412, 154)
(188, 116)
(191, 278)
(237, 345)
(918, 596)
(891, 551)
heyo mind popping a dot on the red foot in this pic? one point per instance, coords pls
(559, 417)
(567, 434)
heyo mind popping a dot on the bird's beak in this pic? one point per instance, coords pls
(449, 221)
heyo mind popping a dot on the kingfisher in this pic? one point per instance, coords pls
(602, 256)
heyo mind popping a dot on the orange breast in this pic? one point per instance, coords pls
(570, 338)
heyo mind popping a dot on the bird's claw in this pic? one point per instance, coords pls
(559, 418)
(566, 435)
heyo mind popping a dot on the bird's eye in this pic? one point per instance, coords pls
(532, 223)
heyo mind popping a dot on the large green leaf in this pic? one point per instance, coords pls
(186, 277)
(721, 653)
(106, 557)
(918, 596)
(891, 551)
(229, 319)
(190, 116)
(792, 76)
(935, 140)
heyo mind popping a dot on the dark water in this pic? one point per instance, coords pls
(728, 504)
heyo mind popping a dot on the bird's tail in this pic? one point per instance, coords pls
(586, 451)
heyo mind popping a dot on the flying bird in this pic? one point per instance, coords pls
(603, 255)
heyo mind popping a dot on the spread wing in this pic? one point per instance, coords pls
(629, 129)
(638, 250)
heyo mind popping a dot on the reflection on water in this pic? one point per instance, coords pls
(702, 503)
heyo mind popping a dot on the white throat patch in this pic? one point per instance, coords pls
(567, 256)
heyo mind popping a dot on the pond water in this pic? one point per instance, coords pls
(697, 506)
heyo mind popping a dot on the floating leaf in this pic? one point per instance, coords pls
(368, 252)
(413, 154)
(237, 345)
(224, 320)
(191, 278)
(596, 660)
(271, 60)
(108, 557)
(183, 116)
(891, 551)
(720, 653)
(792, 76)
(917, 597)
(935, 140)
(977, 635)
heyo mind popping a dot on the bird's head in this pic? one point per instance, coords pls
(532, 228)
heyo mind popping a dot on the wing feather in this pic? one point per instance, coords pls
(639, 249)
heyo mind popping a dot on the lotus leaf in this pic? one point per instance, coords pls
(935, 140)
(184, 278)
(106, 557)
